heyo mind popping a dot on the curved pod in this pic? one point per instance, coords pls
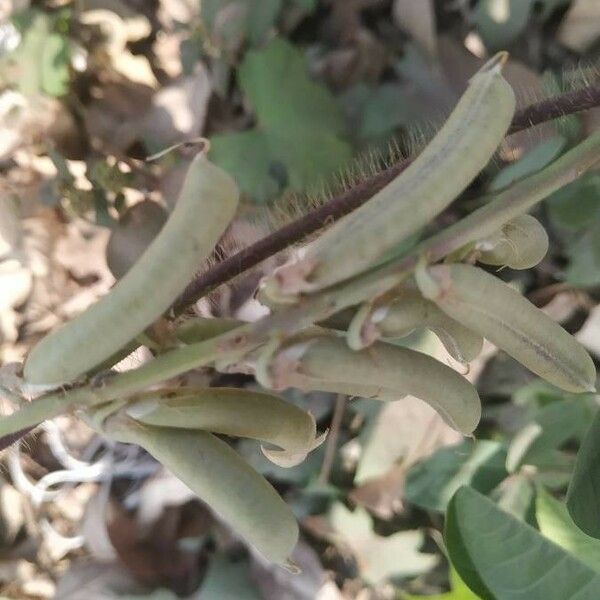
(206, 205)
(234, 412)
(407, 312)
(499, 313)
(458, 152)
(329, 359)
(520, 244)
(224, 480)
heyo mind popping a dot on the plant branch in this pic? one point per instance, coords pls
(540, 112)
(233, 345)
(245, 338)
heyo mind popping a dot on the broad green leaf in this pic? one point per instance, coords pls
(500, 22)
(575, 205)
(458, 591)
(431, 483)
(500, 557)
(552, 426)
(583, 496)
(556, 524)
(584, 257)
(536, 159)
(309, 156)
(539, 393)
(42, 58)
(277, 84)
(297, 142)
(378, 111)
(262, 15)
(247, 156)
(575, 212)
(380, 558)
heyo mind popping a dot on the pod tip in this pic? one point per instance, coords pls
(291, 567)
(495, 64)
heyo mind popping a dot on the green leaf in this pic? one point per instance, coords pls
(500, 22)
(247, 156)
(297, 141)
(583, 496)
(556, 524)
(584, 265)
(458, 590)
(500, 557)
(431, 483)
(575, 212)
(262, 15)
(377, 111)
(577, 203)
(552, 426)
(536, 159)
(380, 558)
(42, 58)
(277, 83)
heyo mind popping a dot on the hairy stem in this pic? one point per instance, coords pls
(540, 112)
(241, 340)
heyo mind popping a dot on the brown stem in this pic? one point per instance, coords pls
(568, 103)
(10, 439)
(539, 112)
(287, 235)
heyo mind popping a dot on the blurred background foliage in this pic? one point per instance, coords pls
(300, 99)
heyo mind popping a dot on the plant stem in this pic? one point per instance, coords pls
(236, 343)
(540, 112)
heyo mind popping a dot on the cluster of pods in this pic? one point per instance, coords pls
(353, 353)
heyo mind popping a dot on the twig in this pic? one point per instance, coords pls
(530, 116)
(11, 438)
(566, 104)
(535, 114)
(287, 235)
(332, 438)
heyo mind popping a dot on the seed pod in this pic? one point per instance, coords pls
(234, 412)
(224, 480)
(461, 148)
(207, 203)
(488, 306)
(328, 358)
(407, 312)
(521, 244)
(136, 229)
(200, 329)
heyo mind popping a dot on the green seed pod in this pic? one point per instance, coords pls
(521, 244)
(328, 359)
(200, 329)
(407, 312)
(205, 207)
(136, 229)
(499, 313)
(234, 412)
(461, 148)
(224, 480)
